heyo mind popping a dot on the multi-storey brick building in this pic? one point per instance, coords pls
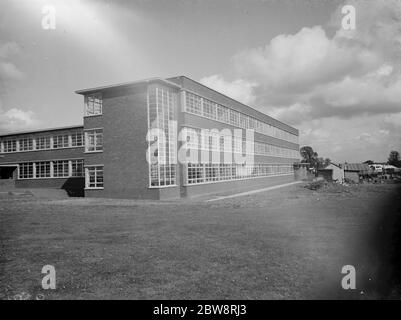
(158, 139)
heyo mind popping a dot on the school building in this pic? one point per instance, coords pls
(154, 139)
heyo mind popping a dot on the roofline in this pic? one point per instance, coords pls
(40, 130)
(237, 101)
(173, 84)
(128, 84)
(337, 165)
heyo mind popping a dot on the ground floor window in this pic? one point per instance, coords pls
(77, 168)
(25, 171)
(162, 175)
(61, 169)
(51, 169)
(208, 172)
(94, 177)
(43, 169)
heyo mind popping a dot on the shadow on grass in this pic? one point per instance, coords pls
(386, 244)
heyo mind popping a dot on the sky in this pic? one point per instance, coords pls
(290, 59)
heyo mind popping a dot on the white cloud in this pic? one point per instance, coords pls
(8, 70)
(16, 119)
(341, 91)
(239, 89)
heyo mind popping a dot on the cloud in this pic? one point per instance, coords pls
(8, 70)
(13, 119)
(17, 119)
(325, 84)
(239, 89)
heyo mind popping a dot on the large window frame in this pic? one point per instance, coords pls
(51, 169)
(94, 140)
(9, 146)
(94, 177)
(204, 173)
(43, 143)
(61, 141)
(93, 105)
(162, 105)
(61, 169)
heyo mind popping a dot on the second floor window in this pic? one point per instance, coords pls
(10, 146)
(42, 143)
(26, 144)
(93, 104)
(76, 139)
(60, 141)
(94, 140)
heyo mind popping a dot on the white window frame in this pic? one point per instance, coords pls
(96, 168)
(96, 132)
(93, 104)
(64, 139)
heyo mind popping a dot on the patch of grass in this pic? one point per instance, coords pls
(283, 244)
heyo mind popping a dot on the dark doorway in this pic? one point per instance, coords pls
(7, 172)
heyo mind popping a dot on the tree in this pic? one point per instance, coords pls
(309, 156)
(312, 157)
(394, 159)
(369, 162)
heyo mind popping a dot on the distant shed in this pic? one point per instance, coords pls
(333, 172)
(355, 171)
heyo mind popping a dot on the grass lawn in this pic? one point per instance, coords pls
(288, 243)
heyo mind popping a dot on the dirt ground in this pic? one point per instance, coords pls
(288, 243)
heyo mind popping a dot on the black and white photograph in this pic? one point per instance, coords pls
(200, 155)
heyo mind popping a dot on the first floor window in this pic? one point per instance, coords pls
(42, 143)
(94, 177)
(94, 140)
(77, 139)
(77, 167)
(43, 169)
(25, 171)
(60, 169)
(26, 144)
(10, 146)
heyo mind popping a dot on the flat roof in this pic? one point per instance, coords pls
(128, 84)
(168, 82)
(40, 130)
(265, 114)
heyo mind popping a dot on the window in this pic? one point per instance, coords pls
(243, 121)
(25, 171)
(60, 141)
(234, 118)
(77, 139)
(60, 169)
(206, 108)
(193, 103)
(94, 177)
(195, 173)
(10, 146)
(93, 104)
(94, 140)
(42, 143)
(207, 172)
(43, 169)
(222, 114)
(26, 144)
(77, 167)
(162, 104)
(209, 109)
